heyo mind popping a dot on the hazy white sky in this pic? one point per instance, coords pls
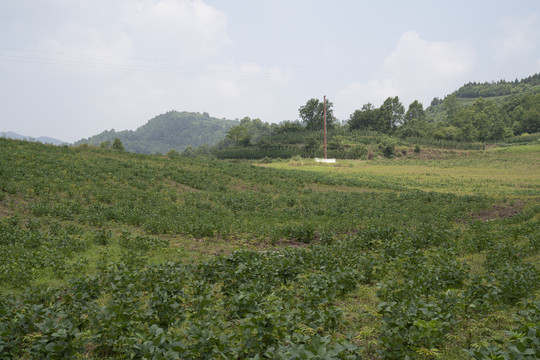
(72, 68)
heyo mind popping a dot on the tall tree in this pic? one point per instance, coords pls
(415, 111)
(312, 114)
(451, 105)
(391, 115)
(256, 129)
(526, 116)
(239, 134)
(414, 121)
(364, 119)
(463, 119)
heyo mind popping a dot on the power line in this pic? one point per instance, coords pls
(185, 67)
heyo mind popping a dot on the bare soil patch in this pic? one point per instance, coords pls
(499, 211)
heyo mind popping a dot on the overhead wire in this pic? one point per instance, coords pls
(184, 67)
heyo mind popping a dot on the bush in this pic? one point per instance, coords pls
(173, 154)
(117, 145)
(388, 146)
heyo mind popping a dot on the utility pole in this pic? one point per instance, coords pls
(324, 117)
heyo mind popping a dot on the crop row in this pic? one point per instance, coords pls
(276, 304)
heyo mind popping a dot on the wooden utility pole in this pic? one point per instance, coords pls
(324, 117)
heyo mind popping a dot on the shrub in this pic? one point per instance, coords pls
(117, 145)
(388, 146)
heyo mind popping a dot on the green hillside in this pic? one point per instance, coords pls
(111, 254)
(500, 88)
(170, 131)
(501, 92)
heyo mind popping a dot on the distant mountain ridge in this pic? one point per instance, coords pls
(41, 139)
(170, 131)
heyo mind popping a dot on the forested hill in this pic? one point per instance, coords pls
(507, 94)
(530, 84)
(172, 130)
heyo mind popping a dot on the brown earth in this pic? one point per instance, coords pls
(499, 211)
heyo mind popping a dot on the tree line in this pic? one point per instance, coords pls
(483, 120)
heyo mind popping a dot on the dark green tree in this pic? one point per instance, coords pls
(312, 114)
(255, 130)
(392, 112)
(289, 127)
(436, 101)
(414, 122)
(117, 145)
(239, 134)
(173, 154)
(451, 105)
(443, 132)
(415, 111)
(464, 120)
(364, 119)
(526, 116)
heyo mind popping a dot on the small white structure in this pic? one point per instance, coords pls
(330, 161)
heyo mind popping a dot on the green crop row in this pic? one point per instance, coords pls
(275, 304)
(74, 285)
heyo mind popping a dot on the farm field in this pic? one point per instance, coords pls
(108, 254)
(505, 173)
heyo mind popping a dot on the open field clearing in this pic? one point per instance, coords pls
(107, 254)
(500, 173)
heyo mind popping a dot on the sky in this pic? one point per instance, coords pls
(70, 69)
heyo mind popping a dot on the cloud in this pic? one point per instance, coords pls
(415, 69)
(415, 57)
(125, 61)
(376, 90)
(247, 87)
(128, 31)
(519, 37)
(183, 29)
(158, 55)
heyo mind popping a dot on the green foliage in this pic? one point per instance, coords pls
(391, 116)
(102, 237)
(239, 134)
(523, 342)
(312, 114)
(525, 113)
(365, 119)
(173, 154)
(450, 123)
(106, 296)
(387, 147)
(239, 305)
(499, 88)
(172, 130)
(511, 108)
(342, 144)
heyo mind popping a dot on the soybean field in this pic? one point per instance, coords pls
(108, 254)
